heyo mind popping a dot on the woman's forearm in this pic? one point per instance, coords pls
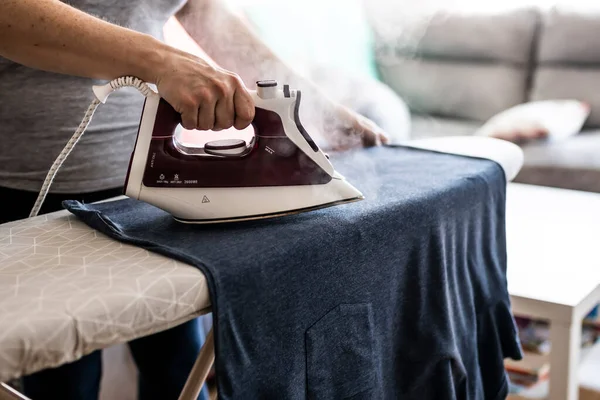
(231, 43)
(52, 36)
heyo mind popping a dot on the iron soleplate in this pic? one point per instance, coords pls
(269, 215)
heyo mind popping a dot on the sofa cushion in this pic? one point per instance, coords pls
(569, 82)
(568, 57)
(570, 164)
(505, 35)
(460, 89)
(470, 65)
(567, 35)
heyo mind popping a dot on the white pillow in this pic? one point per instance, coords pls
(554, 119)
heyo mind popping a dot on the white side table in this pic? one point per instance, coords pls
(553, 239)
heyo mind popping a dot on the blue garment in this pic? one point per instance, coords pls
(400, 296)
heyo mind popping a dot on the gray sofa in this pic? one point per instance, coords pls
(457, 68)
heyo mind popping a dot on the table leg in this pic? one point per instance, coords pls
(564, 360)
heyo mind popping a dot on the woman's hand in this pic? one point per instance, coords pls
(207, 96)
(53, 36)
(344, 129)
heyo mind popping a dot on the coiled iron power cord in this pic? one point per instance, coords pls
(101, 92)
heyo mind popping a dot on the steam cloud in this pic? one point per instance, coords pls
(398, 25)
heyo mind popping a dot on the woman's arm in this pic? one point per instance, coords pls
(231, 43)
(52, 36)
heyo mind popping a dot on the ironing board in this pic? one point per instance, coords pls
(67, 290)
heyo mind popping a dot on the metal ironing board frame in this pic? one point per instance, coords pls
(191, 390)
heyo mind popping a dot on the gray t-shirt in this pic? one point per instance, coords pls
(39, 111)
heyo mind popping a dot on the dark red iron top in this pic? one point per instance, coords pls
(272, 158)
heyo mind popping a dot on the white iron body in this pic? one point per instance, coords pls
(223, 204)
(281, 171)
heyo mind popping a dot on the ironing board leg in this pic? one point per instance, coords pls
(8, 393)
(197, 377)
(190, 391)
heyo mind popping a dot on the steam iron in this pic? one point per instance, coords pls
(280, 171)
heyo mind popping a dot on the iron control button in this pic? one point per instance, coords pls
(266, 89)
(268, 83)
(225, 147)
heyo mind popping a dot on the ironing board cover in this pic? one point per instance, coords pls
(67, 290)
(402, 295)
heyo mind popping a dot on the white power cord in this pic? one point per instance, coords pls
(101, 93)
